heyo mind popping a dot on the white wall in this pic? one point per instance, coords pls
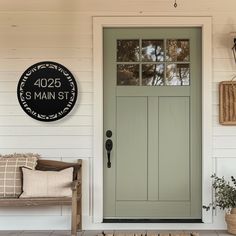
(61, 31)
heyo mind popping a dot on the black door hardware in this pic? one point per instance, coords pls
(108, 146)
(109, 133)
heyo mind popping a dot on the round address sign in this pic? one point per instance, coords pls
(47, 91)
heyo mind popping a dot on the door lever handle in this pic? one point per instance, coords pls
(108, 146)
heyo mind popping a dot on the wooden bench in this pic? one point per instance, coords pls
(74, 201)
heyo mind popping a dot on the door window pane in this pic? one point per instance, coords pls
(153, 74)
(153, 50)
(162, 61)
(177, 74)
(127, 50)
(177, 50)
(127, 74)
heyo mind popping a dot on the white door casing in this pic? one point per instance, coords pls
(101, 22)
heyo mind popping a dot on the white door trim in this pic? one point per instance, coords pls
(101, 22)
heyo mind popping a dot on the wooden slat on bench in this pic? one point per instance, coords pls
(35, 201)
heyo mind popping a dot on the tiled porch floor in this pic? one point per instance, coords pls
(94, 233)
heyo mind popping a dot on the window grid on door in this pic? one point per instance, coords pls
(153, 62)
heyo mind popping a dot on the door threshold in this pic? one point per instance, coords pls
(152, 221)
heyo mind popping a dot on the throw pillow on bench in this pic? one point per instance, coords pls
(10, 173)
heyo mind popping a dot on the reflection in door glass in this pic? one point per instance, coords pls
(127, 74)
(162, 61)
(153, 74)
(153, 50)
(177, 50)
(127, 50)
(177, 74)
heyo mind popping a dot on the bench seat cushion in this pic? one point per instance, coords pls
(10, 173)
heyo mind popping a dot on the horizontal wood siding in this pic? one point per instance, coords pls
(61, 31)
(27, 38)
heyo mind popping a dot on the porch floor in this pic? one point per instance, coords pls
(94, 233)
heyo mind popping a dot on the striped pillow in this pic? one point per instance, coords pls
(10, 173)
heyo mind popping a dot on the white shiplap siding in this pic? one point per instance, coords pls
(27, 38)
(61, 31)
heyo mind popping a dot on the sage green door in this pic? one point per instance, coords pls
(152, 105)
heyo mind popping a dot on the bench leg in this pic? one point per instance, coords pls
(74, 213)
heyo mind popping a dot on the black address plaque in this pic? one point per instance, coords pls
(47, 91)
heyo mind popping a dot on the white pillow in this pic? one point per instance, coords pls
(38, 183)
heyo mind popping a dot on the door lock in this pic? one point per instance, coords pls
(109, 133)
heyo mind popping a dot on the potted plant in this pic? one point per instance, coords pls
(225, 199)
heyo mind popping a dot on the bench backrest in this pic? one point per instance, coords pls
(50, 165)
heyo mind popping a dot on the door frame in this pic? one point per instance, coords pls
(97, 169)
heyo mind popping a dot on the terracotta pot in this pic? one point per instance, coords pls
(230, 219)
(233, 211)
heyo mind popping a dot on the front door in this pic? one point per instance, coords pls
(152, 106)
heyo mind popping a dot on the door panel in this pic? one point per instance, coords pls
(131, 148)
(160, 210)
(174, 160)
(152, 104)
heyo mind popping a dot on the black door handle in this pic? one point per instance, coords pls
(108, 146)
